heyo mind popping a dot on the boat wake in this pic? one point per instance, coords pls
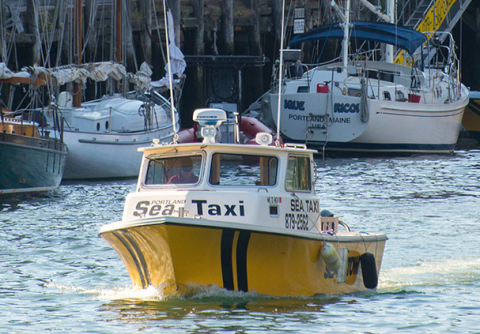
(158, 293)
(196, 293)
(441, 273)
(434, 273)
(117, 293)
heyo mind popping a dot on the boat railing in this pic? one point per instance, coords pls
(306, 72)
(447, 62)
(375, 80)
(344, 225)
(408, 84)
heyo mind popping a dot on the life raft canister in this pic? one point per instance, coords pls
(330, 257)
(369, 270)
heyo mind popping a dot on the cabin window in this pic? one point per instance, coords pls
(387, 76)
(298, 174)
(174, 170)
(243, 170)
(399, 96)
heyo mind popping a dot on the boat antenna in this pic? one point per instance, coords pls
(172, 103)
(280, 75)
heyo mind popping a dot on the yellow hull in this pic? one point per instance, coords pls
(180, 256)
(471, 118)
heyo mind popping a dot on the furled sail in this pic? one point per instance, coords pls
(177, 59)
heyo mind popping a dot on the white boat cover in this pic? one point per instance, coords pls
(99, 71)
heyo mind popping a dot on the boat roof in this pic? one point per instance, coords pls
(187, 147)
(388, 33)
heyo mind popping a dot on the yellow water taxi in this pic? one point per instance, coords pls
(241, 217)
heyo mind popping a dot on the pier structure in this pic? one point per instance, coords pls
(42, 32)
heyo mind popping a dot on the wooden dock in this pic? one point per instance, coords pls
(41, 32)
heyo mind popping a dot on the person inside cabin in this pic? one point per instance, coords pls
(185, 174)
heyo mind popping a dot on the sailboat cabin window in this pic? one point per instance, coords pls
(243, 170)
(174, 170)
(298, 174)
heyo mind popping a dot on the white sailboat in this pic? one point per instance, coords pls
(103, 135)
(365, 105)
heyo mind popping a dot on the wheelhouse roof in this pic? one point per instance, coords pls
(232, 148)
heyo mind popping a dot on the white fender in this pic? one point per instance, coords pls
(330, 257)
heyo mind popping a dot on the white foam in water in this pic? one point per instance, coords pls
(151, 293)
(154, 292)
(440, 272)
(216, 291)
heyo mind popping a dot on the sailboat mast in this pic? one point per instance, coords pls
(77, 50)
(391, 14)
(389, 17)
(346, 32)
(118, 31)
(170, 76)
(280, 75)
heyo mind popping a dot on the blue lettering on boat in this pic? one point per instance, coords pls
(294, 105)
(346, 108)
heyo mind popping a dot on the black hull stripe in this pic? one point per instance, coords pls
(139, 252)
(226, 258)
(242, 247)
(133, 255)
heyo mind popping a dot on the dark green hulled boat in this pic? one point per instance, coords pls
(32, 159)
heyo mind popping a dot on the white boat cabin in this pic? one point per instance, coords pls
(249, 184)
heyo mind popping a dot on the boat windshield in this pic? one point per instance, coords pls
(183, 169)
(243, 170)
(298, 174)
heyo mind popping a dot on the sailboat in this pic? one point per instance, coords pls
(367, 105)
(103, 135)
(32, 157)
